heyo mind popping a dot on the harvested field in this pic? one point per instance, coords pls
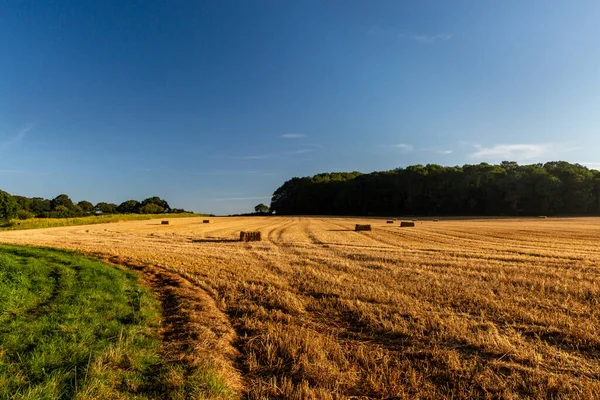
(506, 308)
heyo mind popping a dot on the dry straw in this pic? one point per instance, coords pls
(250, 236)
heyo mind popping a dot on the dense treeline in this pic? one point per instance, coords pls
(483, 189)
(63, 207)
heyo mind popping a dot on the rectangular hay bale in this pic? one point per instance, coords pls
(390, 222)
(359, 227)
(164, 222)
(206, 221)
(405, 224)
(250, 236)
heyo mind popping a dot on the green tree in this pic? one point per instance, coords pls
(24, 202)
(482, 189)
(61, 200)
(8, 207)
(25, 214)
(86, 207)
(129, 207)
(76, 211)
(39, 206)
(151, 208)
(261, 209)
(60, 212)
(106, 208)
(158, 201)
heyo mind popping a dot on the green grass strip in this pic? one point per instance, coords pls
(72, 327)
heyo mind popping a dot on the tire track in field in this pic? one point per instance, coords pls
(481, 241)
(473, 252)
(194, 332)
(358, 331)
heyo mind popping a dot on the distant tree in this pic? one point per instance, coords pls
(151, 208)
(158, 201)
(106, 208)
(76, 211)
(261, 208)
(86, 207)
(129, 207)
(24, 202)
(60, 212)
(8, 207)
(482, 189)
(25, 214)
(61, 200)
(39, 206)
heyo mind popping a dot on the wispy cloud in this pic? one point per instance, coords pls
(303, 149)
(438, 151)
(424, 38)
(242, 198)
(592, 165)
(440, 37)
(511, 151)
(253, 157)
(404, 147)
(16, 138)
(292, 136)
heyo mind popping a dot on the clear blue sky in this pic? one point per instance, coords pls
(213, 105)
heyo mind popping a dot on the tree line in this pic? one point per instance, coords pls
(62, 206)
(552, 188)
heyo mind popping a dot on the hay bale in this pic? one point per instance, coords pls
(543, 216)
(164, 222)
(250, 236)
(405, 224)
(436, 220)
(359, 227)
(415, 220)
(390, 222)
(206, 221)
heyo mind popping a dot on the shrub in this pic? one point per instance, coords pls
(25, 214)
(8, 207)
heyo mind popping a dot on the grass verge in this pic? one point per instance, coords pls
(77, 328)
(74, 327)
(36, 223)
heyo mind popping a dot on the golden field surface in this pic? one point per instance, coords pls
(506, 308)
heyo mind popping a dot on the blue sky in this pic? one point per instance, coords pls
(213, 105)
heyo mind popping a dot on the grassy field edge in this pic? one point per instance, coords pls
(37, 223)
(73, 326)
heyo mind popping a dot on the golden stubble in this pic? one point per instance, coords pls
(506, 308)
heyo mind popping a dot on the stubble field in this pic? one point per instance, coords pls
(449, 309)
